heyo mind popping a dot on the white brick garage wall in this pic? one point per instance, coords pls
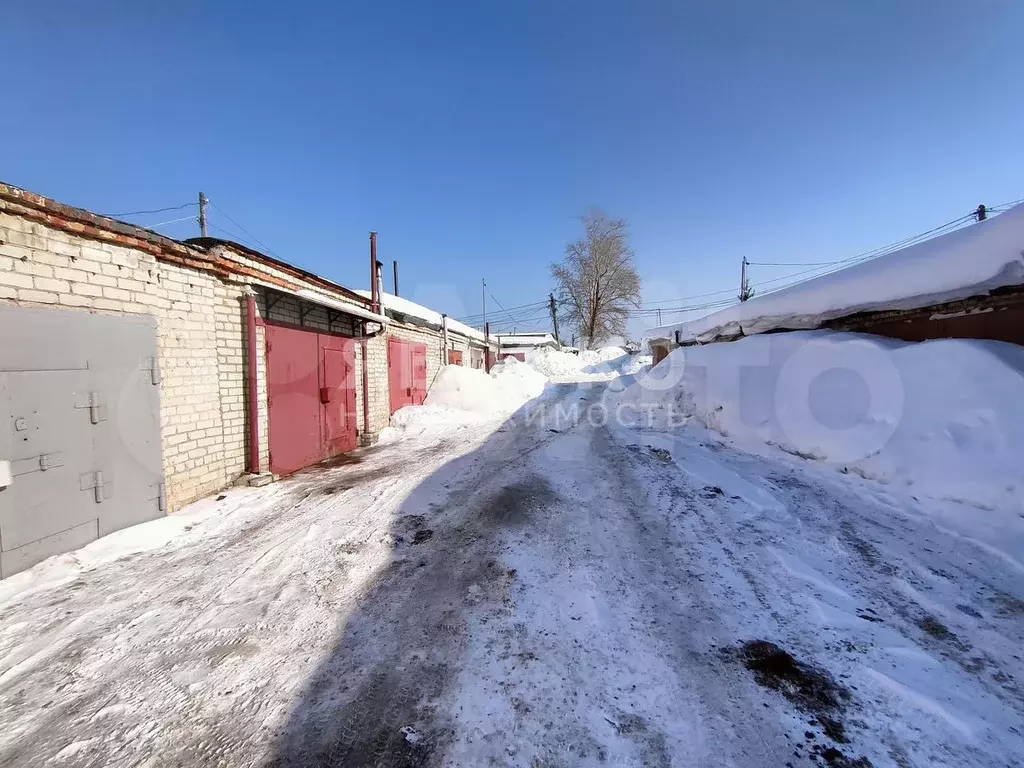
(201, 325)
(53, 255)
(40, 266)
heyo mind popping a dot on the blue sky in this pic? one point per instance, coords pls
(471, 134)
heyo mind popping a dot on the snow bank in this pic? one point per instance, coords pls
(968, 262)
(602, 355)
(554, 363)
(462, 396)
(588, 364)
(944, 417)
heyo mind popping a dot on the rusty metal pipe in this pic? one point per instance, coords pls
(374, 295)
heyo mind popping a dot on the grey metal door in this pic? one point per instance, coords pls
(80, 430)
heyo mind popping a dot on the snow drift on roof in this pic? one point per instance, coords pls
(412, 309)
(967, 262)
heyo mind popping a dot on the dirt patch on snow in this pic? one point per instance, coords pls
(514, 505)
(811, 690)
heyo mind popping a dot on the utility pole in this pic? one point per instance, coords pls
(745, 291)
(483, 297)
(659, 316)
(202, 214)
(554, 318)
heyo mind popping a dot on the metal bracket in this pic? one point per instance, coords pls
(271, 300)
(304, 309)
(97, 412)
(93, 481)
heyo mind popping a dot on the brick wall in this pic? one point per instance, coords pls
(41, 265)
(198, 300)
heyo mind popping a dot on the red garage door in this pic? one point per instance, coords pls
(312, 395)
(407, 373)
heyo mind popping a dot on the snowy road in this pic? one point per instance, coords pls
(548, 593)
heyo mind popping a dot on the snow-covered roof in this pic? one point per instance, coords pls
(530, 340)
(412, 309)
(967, 262)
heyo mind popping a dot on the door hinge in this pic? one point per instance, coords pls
(93, 481)
(50, 461)
(97, 412)
(161, 497)
(152, 366)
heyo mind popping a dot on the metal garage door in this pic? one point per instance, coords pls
(80, 437)
(407, 373)
(312, 394)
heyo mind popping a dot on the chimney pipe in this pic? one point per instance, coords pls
(374, 296)
(394, 265)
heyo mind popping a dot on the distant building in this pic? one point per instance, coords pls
(518, 344)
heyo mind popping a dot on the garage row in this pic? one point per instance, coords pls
(144, 373)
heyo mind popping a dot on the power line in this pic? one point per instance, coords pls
(790, 263)
(495, 300)
(234, 236)
(243, 229)
(156, 210)
(172, 221)
(470, 318)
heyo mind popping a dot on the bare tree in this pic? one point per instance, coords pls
(597, 280)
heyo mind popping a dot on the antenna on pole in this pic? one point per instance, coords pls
(483, 297)
(202, 214)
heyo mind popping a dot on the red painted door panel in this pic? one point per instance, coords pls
(338, 395)
(455, 357)
(311, 386)
(293, 381)
(407, 373)
(419, 373)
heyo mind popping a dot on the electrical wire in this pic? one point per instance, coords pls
(156, 210)
(790, 263)
(172, 221)
(266, 247)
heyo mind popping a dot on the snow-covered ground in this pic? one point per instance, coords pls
(547, 587)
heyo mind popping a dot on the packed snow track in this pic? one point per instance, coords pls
(552, 591)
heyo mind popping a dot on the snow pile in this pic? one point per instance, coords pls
(636, 364)
(945, 417)
(554, 363)
(603, 355)
(967, 262)
(463, 396)
(588, 365)
(517, 381)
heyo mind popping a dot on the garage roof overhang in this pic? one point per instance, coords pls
(312, 297)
